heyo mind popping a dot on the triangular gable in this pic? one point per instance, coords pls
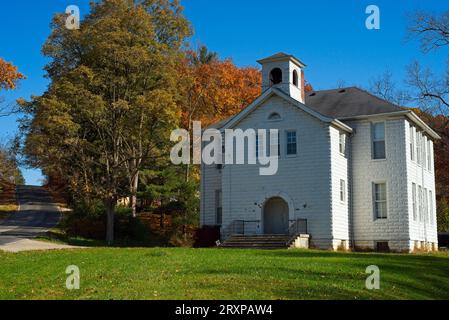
(273, 91)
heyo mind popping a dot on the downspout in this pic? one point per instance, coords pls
(350, 192)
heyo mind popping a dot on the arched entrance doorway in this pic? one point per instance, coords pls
(275, 216)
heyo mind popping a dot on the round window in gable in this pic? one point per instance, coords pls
(274, 116)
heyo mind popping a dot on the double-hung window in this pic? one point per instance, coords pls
(418, 147)
(432, 221)
(426, 209)
(420, 203)
(412, 143)
(424, 150)
(378, 137)
(380, 200)
(414, 201)
(342, 143)
(291, 143)
(342, 190)
(429, 155)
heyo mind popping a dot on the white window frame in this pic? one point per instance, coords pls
(420, 203)
(342, 143)
(431, 210)
(425, 206)
(287, 132)
(424, 154)
(429, 154)
(414, 208)
(373, 140)
(342, 191)
(375, 201)
(418, 148)
(412, 143)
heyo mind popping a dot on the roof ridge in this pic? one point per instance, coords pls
(336, 89)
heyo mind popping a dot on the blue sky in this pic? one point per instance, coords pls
(329, 36)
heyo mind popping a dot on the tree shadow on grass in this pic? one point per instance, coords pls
(119, 243)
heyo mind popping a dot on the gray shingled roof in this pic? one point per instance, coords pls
(348, 102)
(341, 103)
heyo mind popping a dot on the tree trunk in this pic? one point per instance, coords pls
(161, 220)
(134, 186)
(110, 211)
(187, 173)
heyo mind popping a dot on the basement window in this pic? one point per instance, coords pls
(382, 246)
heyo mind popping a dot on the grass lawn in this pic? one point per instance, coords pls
(177, 273)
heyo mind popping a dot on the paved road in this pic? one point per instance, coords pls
(36, 215)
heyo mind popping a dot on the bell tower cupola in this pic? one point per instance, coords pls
(284, 72)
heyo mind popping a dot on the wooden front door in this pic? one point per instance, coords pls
(275, 216)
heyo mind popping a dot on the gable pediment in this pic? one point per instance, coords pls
(273, 92)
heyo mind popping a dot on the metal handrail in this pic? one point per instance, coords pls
(244, 223)
(297, 226)
(239, 227)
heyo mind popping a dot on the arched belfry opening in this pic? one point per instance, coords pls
(295, 78)
(275, 76)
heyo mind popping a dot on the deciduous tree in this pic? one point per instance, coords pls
(112, 99)
(430, 90)
(9, 77)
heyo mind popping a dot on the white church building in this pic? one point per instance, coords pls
(354, 171)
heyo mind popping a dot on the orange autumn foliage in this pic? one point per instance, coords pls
(9, 75)
(217, 90)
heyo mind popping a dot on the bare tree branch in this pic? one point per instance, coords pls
(384, 87)
(8, 110)
(431, 93)
(433, 31)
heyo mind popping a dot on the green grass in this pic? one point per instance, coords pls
(176, 273)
